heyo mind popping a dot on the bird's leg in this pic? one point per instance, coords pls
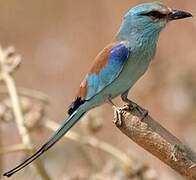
(133, 105)
(117, 113)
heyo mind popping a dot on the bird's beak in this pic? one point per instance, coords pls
(178, 14)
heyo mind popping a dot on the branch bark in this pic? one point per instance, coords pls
(154, 138)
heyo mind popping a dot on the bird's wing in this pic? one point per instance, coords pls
(106, 68)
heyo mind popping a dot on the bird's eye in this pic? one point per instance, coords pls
(155, 14)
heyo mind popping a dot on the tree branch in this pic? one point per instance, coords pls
(154, 138)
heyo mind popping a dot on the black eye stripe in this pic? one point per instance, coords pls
(155, 14)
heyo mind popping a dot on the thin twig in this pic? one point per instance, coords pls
(13, 149)
(28, 93)
(150, 135)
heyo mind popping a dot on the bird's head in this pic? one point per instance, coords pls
(149, 18)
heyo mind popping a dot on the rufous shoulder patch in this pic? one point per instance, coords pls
(101, 59)
(83, 89)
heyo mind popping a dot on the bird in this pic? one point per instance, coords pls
(117, 67)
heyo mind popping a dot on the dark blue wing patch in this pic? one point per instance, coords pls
(119, 54)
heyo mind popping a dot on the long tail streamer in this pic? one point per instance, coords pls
(57, 135)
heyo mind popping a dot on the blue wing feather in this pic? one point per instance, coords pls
(118, 55)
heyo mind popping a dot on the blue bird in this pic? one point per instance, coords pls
(117, 67)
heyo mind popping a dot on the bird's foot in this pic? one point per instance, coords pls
(118, 116)
(117, 113)
(132, 105)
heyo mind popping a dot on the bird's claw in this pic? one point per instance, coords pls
(118, 116)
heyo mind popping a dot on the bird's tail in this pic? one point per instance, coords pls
(57, 135)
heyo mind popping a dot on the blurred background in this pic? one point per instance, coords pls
(58, 41)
